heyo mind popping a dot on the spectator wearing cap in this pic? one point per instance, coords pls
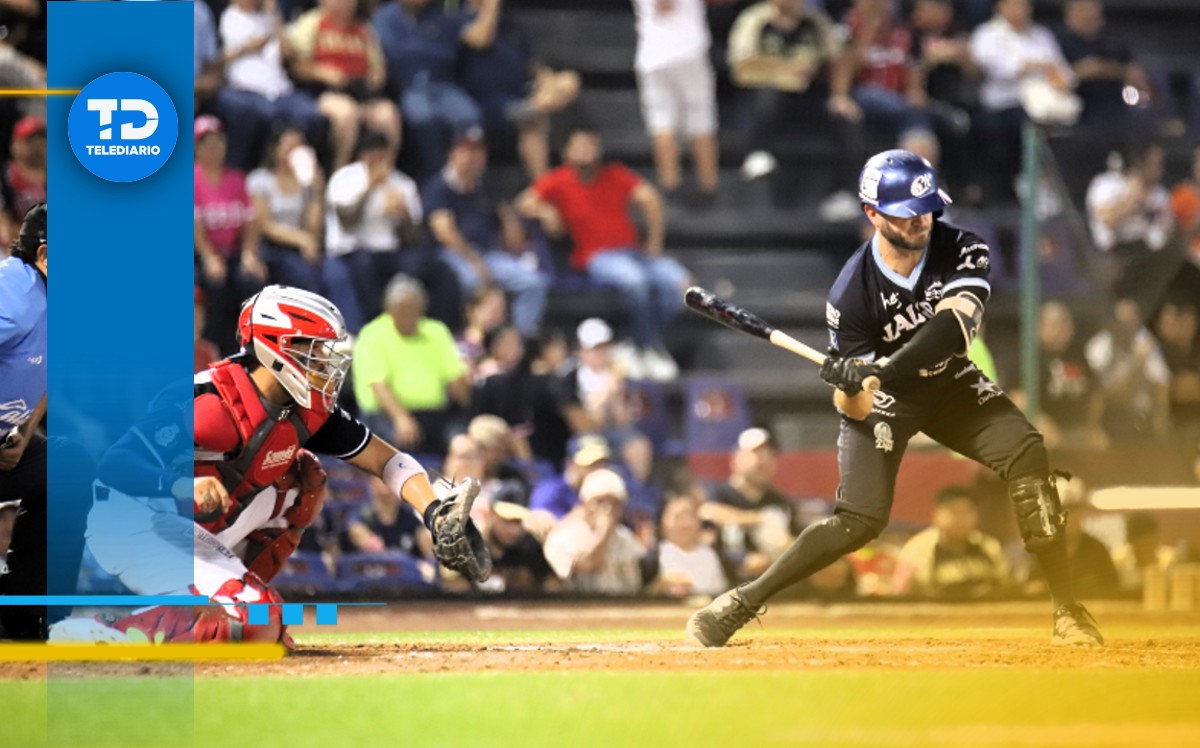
(482, 241)
(226, 233)
(677, 88)
(337, 59)
(23, 181)
(757, 521)
(594, 385)
(560, 494)
(516, 93)
(686, 565)
(422, 43)
(1143, 550)
(287, 192)
(408, 375)
(205, 350)
(372, 216)
(592, 199)
(952, 559)
(590, 550)
(258, 93)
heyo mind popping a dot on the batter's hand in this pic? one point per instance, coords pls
(209, 498)
(847, 374)
(11, 456)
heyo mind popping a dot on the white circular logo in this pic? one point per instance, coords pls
(922, 185)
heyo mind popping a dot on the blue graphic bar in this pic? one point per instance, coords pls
(327, 615)
(293, 614)
(258, 615)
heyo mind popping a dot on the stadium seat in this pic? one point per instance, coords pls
(717, 412)
(647, 403)
(372, 572)
(305, 571)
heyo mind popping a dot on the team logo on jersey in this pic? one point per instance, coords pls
(282, 457)
(986, 389)
(886, 300)
(933, 291)
(913, 316)
(922, 185)
(14, 412)
(882, 403)
(166, 436)
(122, 127)
(883, 437)
(832, 316)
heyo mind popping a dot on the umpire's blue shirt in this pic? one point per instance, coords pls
(22, 342)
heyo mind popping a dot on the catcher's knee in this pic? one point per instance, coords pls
(231, 622)
(1040, 516)
(855, 530)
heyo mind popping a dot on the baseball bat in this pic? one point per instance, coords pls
(735, 317)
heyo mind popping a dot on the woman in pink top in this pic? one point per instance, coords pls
(226, 234)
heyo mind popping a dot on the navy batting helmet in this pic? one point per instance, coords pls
(901, 184)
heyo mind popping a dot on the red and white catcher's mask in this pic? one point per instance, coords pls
(296, 334)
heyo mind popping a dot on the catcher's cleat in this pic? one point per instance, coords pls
(1074, 625)
(715, 623)
(86, 631)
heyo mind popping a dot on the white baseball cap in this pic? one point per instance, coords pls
(603, 482)
(593, 332)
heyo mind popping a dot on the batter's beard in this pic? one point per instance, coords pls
(899, 241)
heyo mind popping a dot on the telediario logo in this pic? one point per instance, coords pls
(123, 127)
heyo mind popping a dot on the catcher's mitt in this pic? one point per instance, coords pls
(457, 542)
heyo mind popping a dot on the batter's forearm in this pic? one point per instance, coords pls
(936, 341)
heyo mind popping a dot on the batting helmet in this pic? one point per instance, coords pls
(901, 184)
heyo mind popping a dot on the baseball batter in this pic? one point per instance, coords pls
(905, 308)
(231, 526)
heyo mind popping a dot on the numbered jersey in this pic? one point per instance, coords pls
(872, 310)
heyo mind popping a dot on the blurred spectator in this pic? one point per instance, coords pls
(594, 385)
(516, 93)
(591, 199)
(686, 565)
(421, 42)
(1133, 378)
(1017, 57)
(1103, 65)
(872, 80)
(757, 521)
(501, 449)
(387, 524)
(338, 60)
(1071, 405)
(226, 234)
(1143, 550)
(481, 242)
(952, 559)
(258, 94)
(372, 214)
(942, 60)
(205, 350)
(18, 68)
(1185, 204)
(206, 56)
(486, 310)
(590, 550)
(407, 372)
(1092, 571)
(778, 50)
(287, 192)
(1178, 328)
(1129, 212)
(529, 398)
(518, 564)
(560, 494)
(503, 349)
(677, 88)
(23, 181)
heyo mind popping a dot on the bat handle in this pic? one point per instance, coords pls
(871, 384)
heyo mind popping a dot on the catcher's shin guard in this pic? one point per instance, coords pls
(1040, 516)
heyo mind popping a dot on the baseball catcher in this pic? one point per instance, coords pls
(232, 517)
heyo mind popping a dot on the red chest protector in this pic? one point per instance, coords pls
(267, 446)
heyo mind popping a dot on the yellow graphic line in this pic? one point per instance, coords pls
(39, 91)
(140, 652)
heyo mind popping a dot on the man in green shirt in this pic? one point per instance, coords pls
(408, 374)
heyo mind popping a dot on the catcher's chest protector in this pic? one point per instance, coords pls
(268, 447)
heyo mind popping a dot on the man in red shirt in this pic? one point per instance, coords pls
(590, 200)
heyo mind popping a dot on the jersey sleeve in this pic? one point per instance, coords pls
(972, 265)
(148, 459)
(342, 436)
(849, 331)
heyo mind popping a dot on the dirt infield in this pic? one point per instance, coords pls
(479, 638)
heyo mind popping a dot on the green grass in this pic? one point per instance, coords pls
(827, 708)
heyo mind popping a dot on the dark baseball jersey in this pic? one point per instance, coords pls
(873, 310)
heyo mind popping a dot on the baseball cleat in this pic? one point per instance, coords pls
(1074, 625)
(85, 631)
(715, 623)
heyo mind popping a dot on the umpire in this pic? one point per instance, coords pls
(905, 309)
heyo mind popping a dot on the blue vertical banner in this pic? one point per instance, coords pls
(120, 311)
